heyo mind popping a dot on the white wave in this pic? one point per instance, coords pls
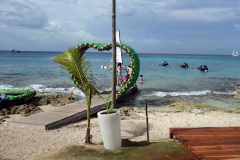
(36, 86)
(77, 92)
(196, 93)
(64, 90)
(192, 93)
(6, 86)
(225, 93)
(102, 89)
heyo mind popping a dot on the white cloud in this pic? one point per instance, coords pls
(66, 1)
(59, 34)
(148, 2)
(152, 40)
(184, 10)
(236, 26)
(23, 14)
(175, 42)
(196, 15)
(84, 35)
(55, 24)
(125, 11)
(237, 8)
(125, 39)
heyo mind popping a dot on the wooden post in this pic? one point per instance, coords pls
(147, 120)
(170, 133)
(114, 79)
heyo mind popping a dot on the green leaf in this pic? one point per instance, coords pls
(101, 97)
(109, 97)
(106, 106)
(75, 62)
(110, 110)
(111, 107)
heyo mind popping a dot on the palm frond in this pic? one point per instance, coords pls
(75, 62)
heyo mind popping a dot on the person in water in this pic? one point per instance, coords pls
(141, 79)
(119, 73)
(129, 70)
(126, 78)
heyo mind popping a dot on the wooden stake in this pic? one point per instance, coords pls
(114, 79)
(147, 120)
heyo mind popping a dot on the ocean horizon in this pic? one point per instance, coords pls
(90, 50)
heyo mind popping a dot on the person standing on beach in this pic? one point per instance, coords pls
(119, 73)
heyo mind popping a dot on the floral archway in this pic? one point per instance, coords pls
(134, 61)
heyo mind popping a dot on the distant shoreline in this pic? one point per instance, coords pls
(110, 52)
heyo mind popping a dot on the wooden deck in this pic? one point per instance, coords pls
(210, 142)
(64, 114)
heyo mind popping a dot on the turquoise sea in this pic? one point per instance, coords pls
(35, 70)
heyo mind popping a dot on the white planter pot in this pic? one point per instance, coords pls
(110, 129)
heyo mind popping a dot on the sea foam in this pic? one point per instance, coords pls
(191, 93)
(197, 93)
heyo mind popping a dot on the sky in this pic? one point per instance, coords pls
(148, 26)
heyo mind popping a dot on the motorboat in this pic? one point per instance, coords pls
(164, 63)
(184, 65)
(203, 68)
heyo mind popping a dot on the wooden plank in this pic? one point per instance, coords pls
(210, 142)
(64, 114)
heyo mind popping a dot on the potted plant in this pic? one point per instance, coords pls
(109, 122)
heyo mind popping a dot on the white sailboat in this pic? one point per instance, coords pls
(118, 52)
(235, 53)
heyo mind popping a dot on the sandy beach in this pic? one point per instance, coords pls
(19, 143)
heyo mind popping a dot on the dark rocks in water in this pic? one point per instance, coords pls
(238, 84)
(31, 107)
(55, 100)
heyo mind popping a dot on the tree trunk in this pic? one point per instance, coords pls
(114, 79)
(88, 136)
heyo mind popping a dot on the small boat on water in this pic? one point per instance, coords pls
(203, 68)
(15, 51)
(184, 65)
(15, 96)
(164, 63)
(235, 53)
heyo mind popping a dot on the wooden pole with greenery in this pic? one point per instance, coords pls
(114, 79)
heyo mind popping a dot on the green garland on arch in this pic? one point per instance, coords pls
(134, 62)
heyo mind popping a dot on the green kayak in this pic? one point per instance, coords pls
(15, 96)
